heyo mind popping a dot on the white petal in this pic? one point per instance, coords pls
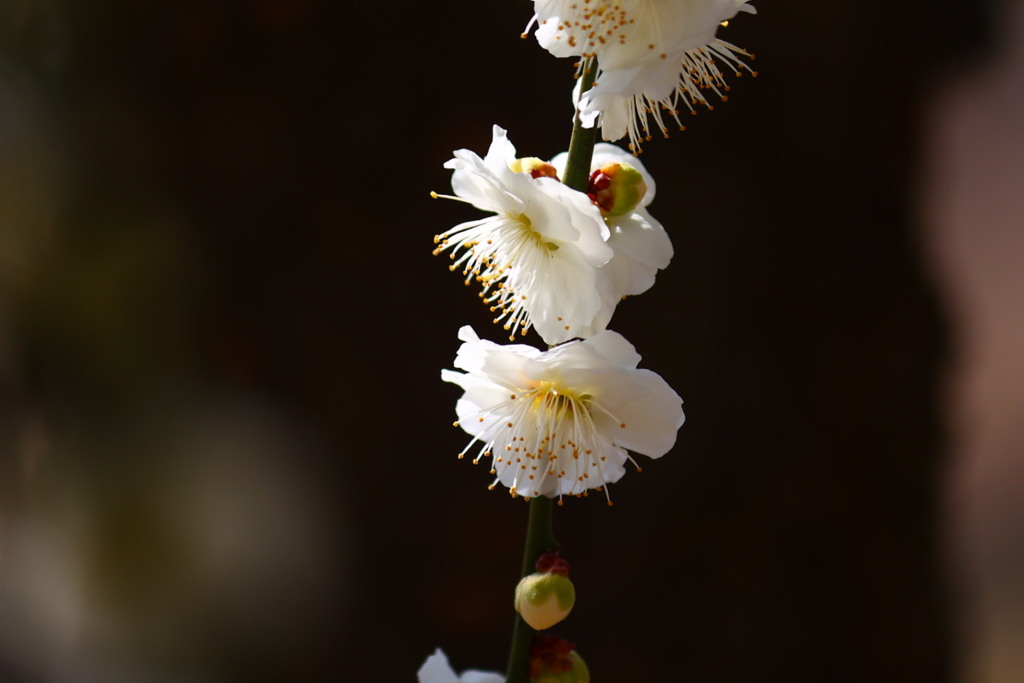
(613, 111)
(609, 300)
(641, 237)
(593, 231)
(468, 334)
(453, 377)
(544, 205)
(473, 181)
(503, 363)
(614, 347)
(656, 79)
(644, 37)
(608, 466)
(472, 676)
(555, 41)
(564, 298)
(588, 117)
(646, 404)
(629, 277)
(642, 248)
(475, 409)
(606, 349)
(613, 467)
(502, 152)
(437, 670)
(697, 25)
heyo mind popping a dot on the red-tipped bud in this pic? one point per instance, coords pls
(554, 660)
(617, 188)
(537, 168)
(551, 563)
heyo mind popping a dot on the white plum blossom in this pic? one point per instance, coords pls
(550, 257)
(641, 245)
(654, 56)
(559, 421)
(537, 257)
(437, 670)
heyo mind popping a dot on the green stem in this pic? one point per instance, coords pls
(539, 540)
(539, 536)
(581, 144)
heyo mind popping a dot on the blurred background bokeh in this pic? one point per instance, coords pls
(225, 451)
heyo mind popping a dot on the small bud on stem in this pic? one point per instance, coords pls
(554, 660)
(617, 188)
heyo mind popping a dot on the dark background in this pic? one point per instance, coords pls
(227, 451)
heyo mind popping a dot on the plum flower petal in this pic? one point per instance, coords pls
(536, 259)
(655, 57)
(559, 422)
(437, 670)
(640, 244)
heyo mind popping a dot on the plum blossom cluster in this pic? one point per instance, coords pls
(556, 252)
(557, 260)
(655, 57)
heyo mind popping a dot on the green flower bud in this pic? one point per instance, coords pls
(555, 660)
(617, 188)
(576, 673)
(537, 168)
(544, 600)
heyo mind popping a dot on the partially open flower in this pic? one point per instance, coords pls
(559, 421)
(654, 57)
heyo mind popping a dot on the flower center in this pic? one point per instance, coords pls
(543, 440)
(549, 434)
(527, 225)
(560, 402)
